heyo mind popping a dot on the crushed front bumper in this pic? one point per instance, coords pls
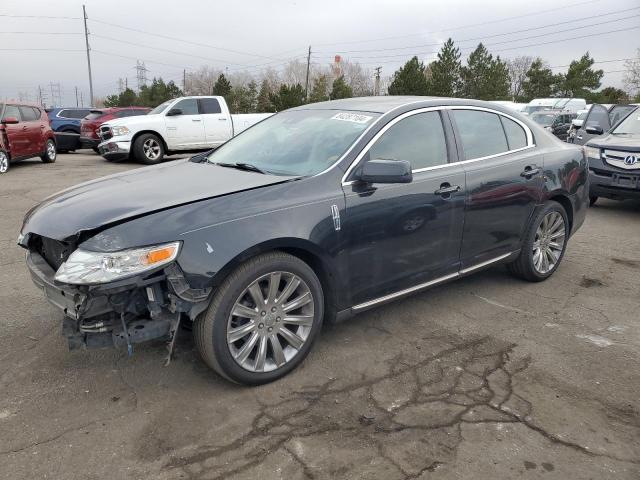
(115, 150)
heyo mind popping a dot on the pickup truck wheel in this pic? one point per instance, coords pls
(50, 152)
(544, 244)
(148, 149)
(262, 320)
(4, 163)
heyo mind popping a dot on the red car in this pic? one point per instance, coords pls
(91, 123)
(25, 132)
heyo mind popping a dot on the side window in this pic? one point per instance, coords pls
(481, 133)
(37, 112)
(189, 106)
(516, 136)
(28, 114)
(209, 105)
(598, 117)
(11, 111)
(418, 138)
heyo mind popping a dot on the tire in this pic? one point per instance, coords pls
(96, 150)
(50, 153)
(148, 149)
(5, 164)
(592, 201)
(527, 266)
(225, 355)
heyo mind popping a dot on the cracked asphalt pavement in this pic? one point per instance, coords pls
(485, 378)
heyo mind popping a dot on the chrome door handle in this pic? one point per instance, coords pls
(530, 171)
(446, 189)
(196, 120)
(223, 119)
(579, 137)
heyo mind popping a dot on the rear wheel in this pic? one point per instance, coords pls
(592, 201)
(262, 320)
(148, 148)
(4, 162)
(50, 152)
(544, 244)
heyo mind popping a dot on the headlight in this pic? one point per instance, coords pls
(86, 267)
(118, 131)
(592, 152)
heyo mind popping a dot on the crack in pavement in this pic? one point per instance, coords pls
(415, 403)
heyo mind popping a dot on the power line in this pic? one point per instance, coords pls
(507, 33)
(41, 16)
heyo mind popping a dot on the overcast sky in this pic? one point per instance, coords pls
(252, 33)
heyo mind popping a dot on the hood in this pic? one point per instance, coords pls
(628, 143)
(100, 203)
(134, 120)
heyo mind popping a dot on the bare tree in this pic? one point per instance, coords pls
(358, 78)
(201, 81)
(518, 68)
(295, 72)
(632, 74)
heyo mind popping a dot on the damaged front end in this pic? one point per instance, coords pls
(117, 313)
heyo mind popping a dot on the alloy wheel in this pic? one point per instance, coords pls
(51, 150)
(270, 321)
(549, 242)
(4, 162)
(151, 149)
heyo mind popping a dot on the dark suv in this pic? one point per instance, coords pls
(314, 214)
(24, 133)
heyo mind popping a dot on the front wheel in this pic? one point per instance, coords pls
(50, 152)
(148, 149)
(544, 244)
(262, 320)
(4, 162)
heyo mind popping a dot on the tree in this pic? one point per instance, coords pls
(157, 92)
(409, 79)
(632, 75)
(357, 77)
(540, 82)
(609, 95)
(222, 87)
(518, 68)
(287, 97)
(243, 99)
(340, 89)
(319, 89)
(485, 78)
(263, 102)
(201, 81)
(580, 80)
(126, 98)
(444, 74)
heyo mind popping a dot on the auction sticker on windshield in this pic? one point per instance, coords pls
(351, 117)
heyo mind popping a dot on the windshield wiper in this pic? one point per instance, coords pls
(242, 166)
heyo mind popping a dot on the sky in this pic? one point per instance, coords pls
(38, 50)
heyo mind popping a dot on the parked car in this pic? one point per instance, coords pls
(600, 119)
(557, 122)
(24, 133)
(518, 107)
(614, 161)
(564, 104)
(185, 124)
(576, 123)
(89, 125)
(67, 120)
(287, 225)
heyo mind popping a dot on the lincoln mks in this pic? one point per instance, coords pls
(312, 215)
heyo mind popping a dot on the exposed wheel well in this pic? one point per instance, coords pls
(568, 207)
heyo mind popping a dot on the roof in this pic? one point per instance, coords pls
(387, 103)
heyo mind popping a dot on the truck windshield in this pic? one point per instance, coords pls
(629, 126)
(295, 142)
(160, 108)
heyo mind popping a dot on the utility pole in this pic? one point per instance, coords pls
(81, 100)
(376, 86)
(184, 81)
(77, 105)
(306, 83)
(86, 40)
(141, 73)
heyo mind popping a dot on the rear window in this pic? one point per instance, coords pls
(11, 111)
(481, 133)
(94, 115)
(74, 113)
(29, 114)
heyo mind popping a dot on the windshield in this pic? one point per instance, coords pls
(160, 108)
(544, 119)
(295, 142)
(582, 116)
(629, 126)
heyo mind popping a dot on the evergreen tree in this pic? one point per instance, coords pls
(222, 87)
(126, 98)
(485, 78)
(263, 101)
(581, 79)
(340, 89)
(319, 89)
(609, 95)
(444, 74)
(157, 92)
(243, 99)
(540, 82)
(409, 79)
(499, 82)
(287, 97)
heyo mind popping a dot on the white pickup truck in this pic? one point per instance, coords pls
(185, 124)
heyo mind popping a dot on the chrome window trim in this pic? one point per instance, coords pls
(366, 148)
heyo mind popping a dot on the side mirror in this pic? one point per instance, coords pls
(10, 120)
(173, 112)
(386, 171)
(594, 130)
